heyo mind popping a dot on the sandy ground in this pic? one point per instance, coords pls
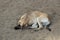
(11, 9)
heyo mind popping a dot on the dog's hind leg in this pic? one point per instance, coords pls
(39, 23)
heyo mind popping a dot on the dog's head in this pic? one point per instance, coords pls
(23, 20)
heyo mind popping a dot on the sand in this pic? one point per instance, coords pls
(10, 10)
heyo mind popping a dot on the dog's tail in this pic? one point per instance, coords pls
(47, 27)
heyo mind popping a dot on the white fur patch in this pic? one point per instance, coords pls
(45, 21)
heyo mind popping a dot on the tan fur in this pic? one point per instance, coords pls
(28, 19)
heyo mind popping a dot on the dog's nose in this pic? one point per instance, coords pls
(17, 27)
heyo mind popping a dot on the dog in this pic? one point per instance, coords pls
(36, 19)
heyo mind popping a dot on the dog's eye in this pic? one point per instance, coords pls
(22, 18)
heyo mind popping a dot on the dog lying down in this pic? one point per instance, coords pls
(35, 20)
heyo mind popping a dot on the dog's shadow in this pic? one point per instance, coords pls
(18, 27)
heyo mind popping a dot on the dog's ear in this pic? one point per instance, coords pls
(23, 16)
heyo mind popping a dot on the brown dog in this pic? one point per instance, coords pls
(34, 18)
